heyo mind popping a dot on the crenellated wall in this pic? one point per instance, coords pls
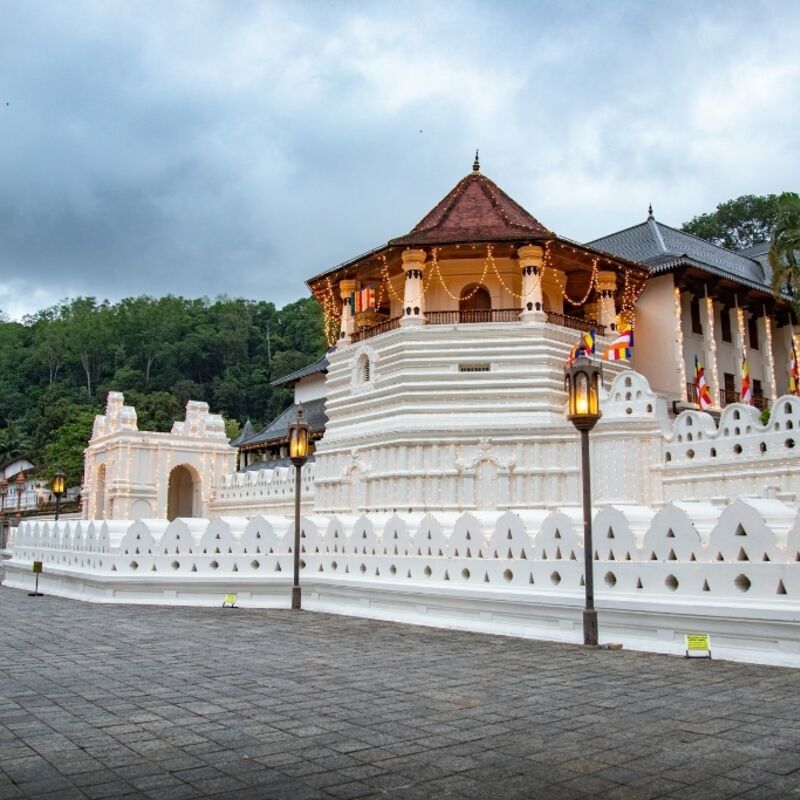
(729, 571)
(262, 491)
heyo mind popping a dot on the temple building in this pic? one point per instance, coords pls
(707, 302)
(458, 331)
(445, 483)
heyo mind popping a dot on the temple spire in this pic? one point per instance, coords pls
(476, 164)
(650, 212)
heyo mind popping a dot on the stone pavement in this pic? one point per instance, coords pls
(101, 701)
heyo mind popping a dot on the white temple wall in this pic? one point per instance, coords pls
(311, 387)
(449, 420)
(655, 353)
(731, 572)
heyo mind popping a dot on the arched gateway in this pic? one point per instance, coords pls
(182, 494)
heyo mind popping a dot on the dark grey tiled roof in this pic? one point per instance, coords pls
(278, 429)
(246, 433)
(321, 365)
(274, 463)
(664, 248)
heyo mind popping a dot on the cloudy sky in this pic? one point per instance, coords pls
(240, 147)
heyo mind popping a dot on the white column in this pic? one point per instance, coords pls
(765, 333)
(739, 342)
(413, 295)
(607, 299)
(530, 261)
(346, 289)
(679, 356)
(710, 348)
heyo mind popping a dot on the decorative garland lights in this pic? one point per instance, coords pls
(679, 343)
(332, 304)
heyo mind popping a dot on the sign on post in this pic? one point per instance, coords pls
(37, 570)
(698, 645)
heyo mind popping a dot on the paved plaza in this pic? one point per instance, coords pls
(102, 701)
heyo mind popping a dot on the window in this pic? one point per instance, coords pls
(730, 388)
(752, 332)
(364, 370)
(725, 320)
(694, 307)
(758, 391)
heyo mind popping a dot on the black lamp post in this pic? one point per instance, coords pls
(582, 381)
(59, 487)
(3, 520)
(298, 452)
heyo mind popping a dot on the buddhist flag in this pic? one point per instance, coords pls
(747, 390)
(365, 299)
(794, 373)
(703, 394)
(620, 348)
(584, 347)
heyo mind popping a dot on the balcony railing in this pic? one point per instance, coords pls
(575, 323)
(472, 315)
(728, 396)
(461, 317)
(381, 327)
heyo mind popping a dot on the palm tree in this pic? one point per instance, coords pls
(784, 253)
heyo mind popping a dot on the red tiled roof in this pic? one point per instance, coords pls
(475, 210)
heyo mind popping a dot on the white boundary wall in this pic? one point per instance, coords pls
(732, 572)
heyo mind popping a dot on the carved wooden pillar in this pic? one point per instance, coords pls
(413, 295)
(530, 261)
(346, 290)
(607, 299)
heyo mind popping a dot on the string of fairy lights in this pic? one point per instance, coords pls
(326, 291)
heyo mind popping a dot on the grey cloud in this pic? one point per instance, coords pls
(240, 148)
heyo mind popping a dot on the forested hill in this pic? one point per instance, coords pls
(57, 367)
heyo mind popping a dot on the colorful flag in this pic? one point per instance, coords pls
(365, 298)
(747, 391)
(620, 348)
(794, 373)
(703, 393)
(584, 347)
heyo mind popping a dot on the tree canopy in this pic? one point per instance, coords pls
(738, 223)
(57, 366)
(784, 254)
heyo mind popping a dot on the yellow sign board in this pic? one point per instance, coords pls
(37, 567)
(230, 600)
(698, 643)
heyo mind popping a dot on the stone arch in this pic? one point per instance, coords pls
(183, 492)
(475, 297)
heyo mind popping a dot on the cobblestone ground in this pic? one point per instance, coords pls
(123, 701)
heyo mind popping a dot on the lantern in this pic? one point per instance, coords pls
(582, 382)
(298, 439)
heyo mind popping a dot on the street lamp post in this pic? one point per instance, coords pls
(298, 452)
(582, 381)
(20, 480)
(3, 521)
(59, 486)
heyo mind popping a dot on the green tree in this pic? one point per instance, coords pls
(784, 253)
(65, 451)
(738, 223)
(14, 444)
